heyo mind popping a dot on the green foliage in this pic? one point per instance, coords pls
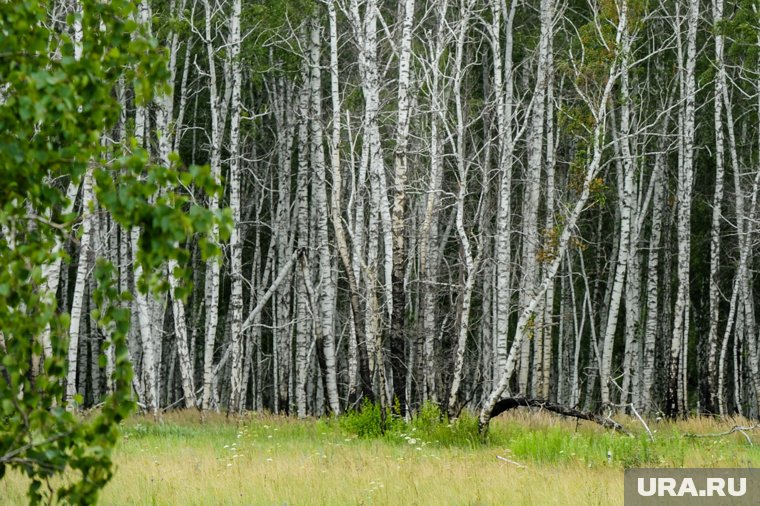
(555, 444)
(53, 109)
(272, 18)
(365, 423)
(432, 427)
(741, 30)
(427, 418)
(427, 427)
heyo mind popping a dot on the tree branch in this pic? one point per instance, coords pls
(514, 402)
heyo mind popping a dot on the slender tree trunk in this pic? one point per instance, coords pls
(398, 227)
(720, 83)
(303, 331)
(78, 303)
(545, 331)
(529, 281)
(685, 182)
(652, 289)
(470, 263)
(213, 267)
(599, 111)
(504, 96)
(325, 315)
(625, 220)
(283, 239)
(429, 262)
(337, 220)
(237, 401)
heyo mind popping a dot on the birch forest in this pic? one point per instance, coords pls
(437, 201)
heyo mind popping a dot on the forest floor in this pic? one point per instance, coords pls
(262, 459)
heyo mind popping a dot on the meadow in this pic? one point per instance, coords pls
(530, 457)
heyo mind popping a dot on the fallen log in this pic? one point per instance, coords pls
(515, 402)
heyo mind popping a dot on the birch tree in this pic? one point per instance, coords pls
(398, 228)
(212, 268)
(599, 112)
(326, 297)
(237, 400)
(678, 349)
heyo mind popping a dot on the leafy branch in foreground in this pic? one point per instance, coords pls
(56, 102)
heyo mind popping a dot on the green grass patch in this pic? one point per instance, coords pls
(265, 459)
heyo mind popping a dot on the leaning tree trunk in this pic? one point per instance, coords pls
(599, 112)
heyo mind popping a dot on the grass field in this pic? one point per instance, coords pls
(273, 460)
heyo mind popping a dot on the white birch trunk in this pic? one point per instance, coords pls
(599, 112)
(504, 96)
(237, 401)
(429, 232)
(83, 271)
(398, 225)
(652, 289)
(303, 331)
(625, 220)
(529, 280)
(674, 402)
(150, 386)
(325, 316)
(715, 298)
(464, 241)
(52, 271)
(213, 266)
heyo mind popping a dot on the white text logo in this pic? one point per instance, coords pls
(715, 487)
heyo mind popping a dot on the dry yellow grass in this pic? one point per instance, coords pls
(271, 460)
(367, 474)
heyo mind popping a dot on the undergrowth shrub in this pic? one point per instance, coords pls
(427, 426)
(365, 422)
